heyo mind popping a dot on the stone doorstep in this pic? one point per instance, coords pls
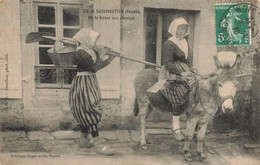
(163, 125)
(159, 131)
(158, 125)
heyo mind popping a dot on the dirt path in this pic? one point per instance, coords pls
(40, 148)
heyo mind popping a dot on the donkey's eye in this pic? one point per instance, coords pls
(220, 85)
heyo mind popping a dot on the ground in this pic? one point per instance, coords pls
(61, 147)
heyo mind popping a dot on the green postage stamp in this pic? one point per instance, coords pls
(232, 24)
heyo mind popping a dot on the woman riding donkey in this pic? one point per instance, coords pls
(176, 61)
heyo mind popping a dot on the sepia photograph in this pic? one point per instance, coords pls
(130, 82)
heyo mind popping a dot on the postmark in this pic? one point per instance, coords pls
(232, 24)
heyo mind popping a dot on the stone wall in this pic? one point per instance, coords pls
(13, 116)
(245, 117)
(254, 126)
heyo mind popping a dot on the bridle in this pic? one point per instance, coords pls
(223, 99)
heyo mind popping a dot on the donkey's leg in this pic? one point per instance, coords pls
(201, 140)
(190, 130)
(143, 103)
(142, 127)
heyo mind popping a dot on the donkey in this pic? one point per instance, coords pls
(211, 92)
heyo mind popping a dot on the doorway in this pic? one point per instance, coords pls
(156, 22)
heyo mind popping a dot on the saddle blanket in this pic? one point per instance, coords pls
(174, 89)
(156, 87)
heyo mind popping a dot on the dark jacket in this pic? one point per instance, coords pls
(85, 62)
(172, 55)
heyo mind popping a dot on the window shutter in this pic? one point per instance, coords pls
(10, 53)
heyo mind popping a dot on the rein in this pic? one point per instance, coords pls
(204, 107)
(222, 101)
(197, 85)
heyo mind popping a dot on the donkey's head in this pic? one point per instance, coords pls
(227, 91)
(226, 63)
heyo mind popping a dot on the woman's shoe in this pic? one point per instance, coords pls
(105, 151)
(177, 134)
(86, 143)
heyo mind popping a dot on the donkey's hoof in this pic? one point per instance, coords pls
(187, 157)
(144, 147)
(202, 156)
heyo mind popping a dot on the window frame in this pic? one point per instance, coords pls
(81, 22)
(59, 28)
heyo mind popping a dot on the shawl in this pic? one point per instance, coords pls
(87, 39)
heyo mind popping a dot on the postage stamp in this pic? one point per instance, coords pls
(232, 24)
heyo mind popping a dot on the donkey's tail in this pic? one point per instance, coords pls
(136, 108)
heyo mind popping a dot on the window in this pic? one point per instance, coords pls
(59, 20)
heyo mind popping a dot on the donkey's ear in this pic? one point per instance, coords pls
(217, 62)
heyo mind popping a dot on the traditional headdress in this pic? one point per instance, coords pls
(87, 39)
(181, 43)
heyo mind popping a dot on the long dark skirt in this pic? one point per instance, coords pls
(175, 93)
(84, 100)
